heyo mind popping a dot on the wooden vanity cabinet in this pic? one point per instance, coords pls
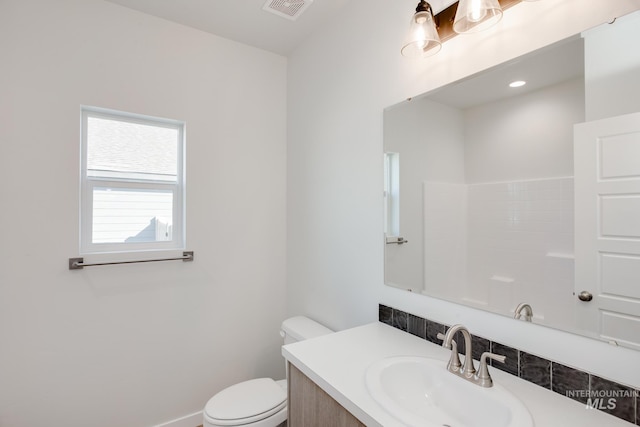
(310, 406)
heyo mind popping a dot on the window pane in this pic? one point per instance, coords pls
(392, 194)
(131, 216)
(120, 149)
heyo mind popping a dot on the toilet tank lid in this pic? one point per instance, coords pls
(302, 328)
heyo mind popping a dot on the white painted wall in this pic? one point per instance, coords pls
(611, 68)
(524, 137)
(135, 345)
(339, 83)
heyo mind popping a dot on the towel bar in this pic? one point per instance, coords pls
(79, 264)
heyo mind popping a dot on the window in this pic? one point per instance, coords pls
(132, 184)
(392, 194)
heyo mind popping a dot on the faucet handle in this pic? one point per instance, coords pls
(454, 360)
(484, 379)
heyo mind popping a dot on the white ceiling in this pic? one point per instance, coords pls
(242, 20)
(246, 22)
(553, 64)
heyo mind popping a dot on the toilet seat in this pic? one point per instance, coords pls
(247, 402)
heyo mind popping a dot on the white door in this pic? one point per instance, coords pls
(607, 227)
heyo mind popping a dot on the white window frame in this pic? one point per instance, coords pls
(88, 184)
(392, 194)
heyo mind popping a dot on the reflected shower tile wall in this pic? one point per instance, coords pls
(445, 234)
(512, 227)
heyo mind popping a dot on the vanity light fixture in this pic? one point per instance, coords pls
(427, 31)
(517, 83)
(423, 39)
(476, 15)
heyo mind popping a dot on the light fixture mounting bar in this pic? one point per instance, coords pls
(444, 19)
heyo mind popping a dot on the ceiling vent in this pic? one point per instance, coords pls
(290, 9)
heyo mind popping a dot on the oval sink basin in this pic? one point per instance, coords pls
(419, 391)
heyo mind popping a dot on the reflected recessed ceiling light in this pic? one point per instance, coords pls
(517, 83)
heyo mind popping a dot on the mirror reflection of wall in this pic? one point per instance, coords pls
(486, 172)
(489, 187)
(519, 169)
(440, 160)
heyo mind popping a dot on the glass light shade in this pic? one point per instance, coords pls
(476, 15)
(423, 39)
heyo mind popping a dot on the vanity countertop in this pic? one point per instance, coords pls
(338, 362)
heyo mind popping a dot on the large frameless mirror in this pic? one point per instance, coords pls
(492, 196)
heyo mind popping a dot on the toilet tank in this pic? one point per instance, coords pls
(301, 328)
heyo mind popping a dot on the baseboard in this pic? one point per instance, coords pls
(192, 420)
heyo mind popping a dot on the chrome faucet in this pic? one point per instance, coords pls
(523, 309)
(467, 370)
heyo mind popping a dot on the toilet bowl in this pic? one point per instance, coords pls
(257, 403)
(260, 402)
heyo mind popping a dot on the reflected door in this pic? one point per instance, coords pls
(607, 233)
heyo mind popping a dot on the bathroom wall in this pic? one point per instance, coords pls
(340, 81)
(524, 137)
(611, 68)
(135, 345)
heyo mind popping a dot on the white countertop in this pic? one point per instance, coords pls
(337, 363)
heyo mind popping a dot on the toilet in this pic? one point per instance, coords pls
(260, 402)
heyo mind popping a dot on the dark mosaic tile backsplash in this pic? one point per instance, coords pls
(616, 399)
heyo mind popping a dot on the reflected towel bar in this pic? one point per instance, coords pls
(396, 241)
(79, 264)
